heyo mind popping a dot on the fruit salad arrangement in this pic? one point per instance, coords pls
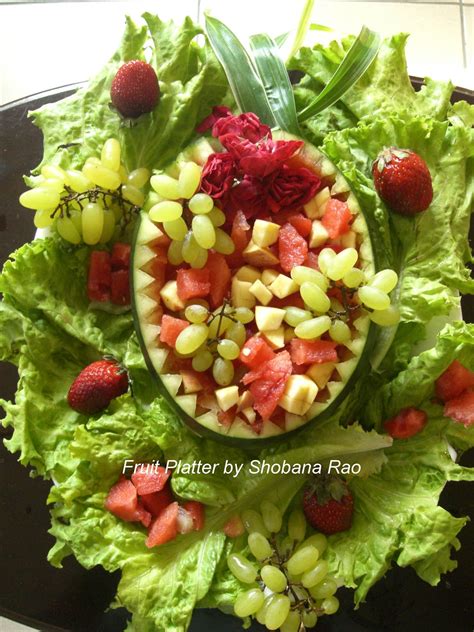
(224, 258)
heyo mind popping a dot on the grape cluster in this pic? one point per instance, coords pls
(86, 205)
(289, 584)
(170, 198)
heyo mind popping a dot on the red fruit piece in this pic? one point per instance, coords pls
(196, 510)
(120, 287)
(165, 527)
(403, 180)
(292, 248)
(408, 422)
(297, 220)
(96, 386)
(120, 256)
(234, 527)
(311, 260)
(150, 480)
(255, 352)
(313, 351)
(99, 279)
(337, 218)
(329, 505)
(461, 408)
(453, 381)
(193, 283)
(171, 328)
(219, 275)
(135, 89)
(122, 501)
(226, 417)
(268, 383)
(157, 501)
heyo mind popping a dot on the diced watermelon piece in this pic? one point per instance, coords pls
(454, 381)
(337, 218)
(279, 417)
(100, 276)
(196, 509)
(311, 260)
(408, 422)
(219, 275)
(157, 501)
(234, 527)
(120, 257)
(146, 516)
(268, 383)
(171, 328)
(313, 351)
(240, 234)
(255, 352)
(164, 527)
(150, 480)
(461, 408)
(122, 501)
(193, 283)
(292, 248)
(120, 287)
(301, 223)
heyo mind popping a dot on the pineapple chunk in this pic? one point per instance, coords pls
(268, 276)
(261, 292)
(327, 168)
(169, 295)
(319, 235)
(276, 338)
(240, 294)
(340, 186)
(283, 286)
(227, 397)
(320, 373)
(265, 233)
(299, 394)
(314, 209)
(260, 257)
(247, 273)
(249, 414)
(353, 205)
(268, 318)
(349, 240)
(245, 401)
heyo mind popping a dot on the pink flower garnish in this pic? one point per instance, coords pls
(218, 112)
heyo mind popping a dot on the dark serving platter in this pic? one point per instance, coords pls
(75, 600)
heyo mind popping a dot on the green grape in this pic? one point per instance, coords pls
(237, 334)
(223, 371)
(228, 349)
(309, 619)
(133, 195)
(199, 259)
(176, 229)
(249, 602)
(152, 200)
(202, 360)
(297, 525)
(200, 204)
(43, 219)
(315, 297)
(303, 274)
(340, 332)
(330, 605)
(138, 177)
(216, 216)
(324, 258)
(78, 181)
(277, 612)
(253, 521)
(353, 278)
(219, 325)
(101, 176)
(295, 315)
(223, 243)
(203, 231)
(189, 179)
(292, 622)
(244, 315)
(386, 317)
(273, 578)
(165, 211)
(286, 546)
(241, 568)
(110, 156)
(318, 540)
(259, 546)
(108, 228)
(196, 313)
(68, 231)
(76, 218)
(342, 263)
(303, 559)
(56, 172)
(262, 612)
(272, 516)
(53, 183)
(92, 223)
(326, 588)
(175, 253)
(310, 329)
(191, 338)
(166, 186)
(40, 198)
(385, 280)
(192, 251)
(315, 575)
(123, 173)
(373, 297)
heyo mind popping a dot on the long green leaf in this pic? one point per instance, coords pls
(276, 82)
(302, 28)
(358, 58)
(246, 86)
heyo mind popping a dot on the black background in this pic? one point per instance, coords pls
(76, 600)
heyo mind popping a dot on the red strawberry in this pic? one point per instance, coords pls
(135, 89)
(96, 386)
(403, 180)
(328, 504)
